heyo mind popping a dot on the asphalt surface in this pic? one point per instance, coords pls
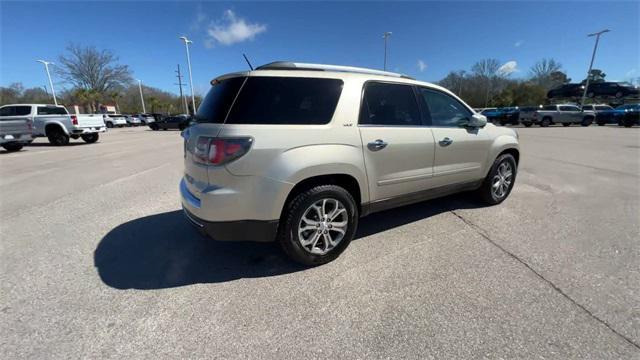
(97, 261)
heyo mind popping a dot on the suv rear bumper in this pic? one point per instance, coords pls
(241, 230)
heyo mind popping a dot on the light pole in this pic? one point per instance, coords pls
(144, 111)
(593, 56)
(186, 44)
(46, 67)
(385, 36)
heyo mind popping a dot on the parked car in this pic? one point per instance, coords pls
(525, 115)
(54, 122)
(178, 122)
(115, 120)
(146, 119)
(565, 114)
(493, 115)
(510, 116)
(566, 91)
(628, 115)
(15, 127)
(612, 89)
(601, 111)
(298, 156)
(132, 120)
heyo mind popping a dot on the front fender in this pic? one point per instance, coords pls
(499, 145)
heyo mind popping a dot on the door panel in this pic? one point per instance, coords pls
(403, 166)
(460, 152)
(463, 159)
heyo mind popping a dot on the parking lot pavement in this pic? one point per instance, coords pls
(97, 261)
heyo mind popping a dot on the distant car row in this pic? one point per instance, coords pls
(118, 120)
(616, 90)
(565, 114)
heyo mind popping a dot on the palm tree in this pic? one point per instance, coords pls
(115, 95)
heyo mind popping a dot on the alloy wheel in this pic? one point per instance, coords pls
(502, 180)
(323, 226)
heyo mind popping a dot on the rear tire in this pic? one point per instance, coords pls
(545, 122)
(12, 147)
(587, 121)
(57, 137)
(528, 124)
(311, 210)
(90, 138)
(110, 125)
(497, 186)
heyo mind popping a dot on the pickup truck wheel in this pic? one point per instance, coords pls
(57, 137)
(587, 121)
(12, 147)
(566, 124)
(90, 138)
(527, 124)
(109, 124)
(318, 225)
(545, 122)
(499, 182)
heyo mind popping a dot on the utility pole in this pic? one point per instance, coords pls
(593, 56)
(46, 67)
(144, 111)
(182, 98)
(186, 45)
(385, 36)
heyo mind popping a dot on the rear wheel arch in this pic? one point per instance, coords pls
(346, 181)
(53, 127)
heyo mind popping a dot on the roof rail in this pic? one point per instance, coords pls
(288, 65)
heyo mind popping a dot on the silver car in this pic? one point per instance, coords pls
(297, 153)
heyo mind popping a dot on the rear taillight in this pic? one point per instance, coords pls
(74, 120)
(220, 151)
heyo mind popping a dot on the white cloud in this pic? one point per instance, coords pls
(199, 20)
(422, 66)
(631, 73)
(232, 29)
(518, 43)
(508, 68)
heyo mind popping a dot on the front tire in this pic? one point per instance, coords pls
(12, 147)
(318, 225)
(499, 181)
(90, 138)
(545, 122)
(110, 125)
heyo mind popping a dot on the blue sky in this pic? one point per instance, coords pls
(429, 38)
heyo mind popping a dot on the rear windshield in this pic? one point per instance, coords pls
(216, 104)
(549, 108)
(51, 110)
(286, 101)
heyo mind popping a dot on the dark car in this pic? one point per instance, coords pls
(627, 115)
(178, 122)
(566, 91)
(494, 115)
(612, 89)
(510, 116)
(604, 113)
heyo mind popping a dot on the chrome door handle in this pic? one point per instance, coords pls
(446, 142)
(377, 145)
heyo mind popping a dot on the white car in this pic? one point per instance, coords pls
(296, 153)
(114, 120)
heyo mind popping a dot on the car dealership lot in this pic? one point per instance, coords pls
(96, 260)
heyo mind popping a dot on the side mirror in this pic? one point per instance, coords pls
(476, 121)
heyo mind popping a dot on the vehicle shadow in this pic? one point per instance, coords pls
(164, 250)
(47, 144)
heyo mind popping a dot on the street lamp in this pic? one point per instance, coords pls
(144, 111)
(46, 67)
(595, 47)
(385, 36)
(186, 44)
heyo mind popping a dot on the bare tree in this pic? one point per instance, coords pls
(486, 68)
(91, 69)
(543, 68)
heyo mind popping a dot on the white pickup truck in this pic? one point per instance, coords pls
(565, 114)
(15, 130)
(55, 122)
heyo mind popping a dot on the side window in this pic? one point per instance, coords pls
(443, 109)
(23, 110)
(8, 111)
(389, 104)
(569, 108)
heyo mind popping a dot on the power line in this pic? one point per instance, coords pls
(180, 83)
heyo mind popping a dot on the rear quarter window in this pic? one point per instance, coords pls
(286, 101)
(51, 110)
